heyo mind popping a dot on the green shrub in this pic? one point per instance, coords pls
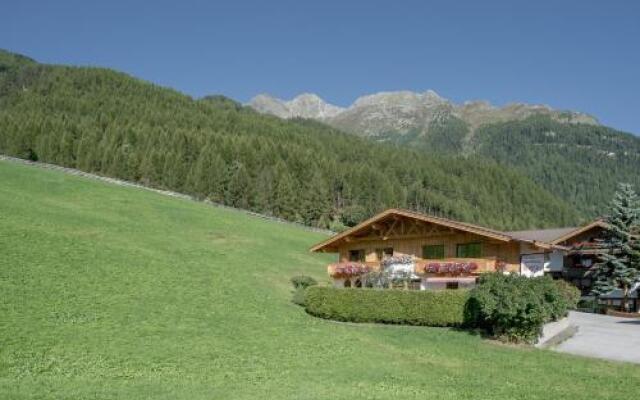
(303, 281)
(570, 292)
(514, 308)
(590, 304)
(299, 296)
(389, 306)
(555, 304)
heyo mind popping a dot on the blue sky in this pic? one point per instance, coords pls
(580, 55)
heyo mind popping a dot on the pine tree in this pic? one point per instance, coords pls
(285, 196)
(239, 189)
(619, 262)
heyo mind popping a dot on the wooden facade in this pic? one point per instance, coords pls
(583, 249)
(413, 245)
(585, 236)
(462, 250)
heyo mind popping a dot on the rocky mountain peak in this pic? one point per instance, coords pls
(402, 112)
(306, 105)
(309, 105)
(403, 98)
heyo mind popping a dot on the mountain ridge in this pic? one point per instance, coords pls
(568, 153)
(406, 111)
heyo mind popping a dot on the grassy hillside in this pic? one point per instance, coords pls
(99, 120)
(118, 293)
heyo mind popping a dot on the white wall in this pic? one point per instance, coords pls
(338, 282)
(532, 265)
(441, 283)
(556, 262)
(553, 261)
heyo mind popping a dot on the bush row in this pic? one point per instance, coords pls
(508, 307)
(389, 306)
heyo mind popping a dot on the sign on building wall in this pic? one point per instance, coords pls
(532, 265)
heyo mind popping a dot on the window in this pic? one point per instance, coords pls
(383, 253)
(469, 250)
(356, 255)
(452, 285)
(435, 251)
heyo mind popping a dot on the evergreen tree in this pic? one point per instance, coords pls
(619, 263)
(285, 199)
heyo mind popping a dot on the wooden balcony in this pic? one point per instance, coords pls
(423, 267)
(457, 266)
(355, 268)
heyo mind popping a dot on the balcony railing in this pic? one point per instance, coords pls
(423, 267)
(458, 266)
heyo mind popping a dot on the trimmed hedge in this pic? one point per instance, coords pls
(389, 306)
(508, 307)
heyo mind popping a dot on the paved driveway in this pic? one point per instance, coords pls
(603, 336)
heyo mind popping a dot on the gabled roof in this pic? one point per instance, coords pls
(461, 226)
(543, 235)
(598, 223)
(556, 235)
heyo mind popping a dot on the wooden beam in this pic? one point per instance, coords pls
(390, 230)
(414, 228)
(374, 238)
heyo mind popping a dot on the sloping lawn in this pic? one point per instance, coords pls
(111, 293)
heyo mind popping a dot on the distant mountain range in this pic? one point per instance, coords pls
(567, 152)
(405, 112)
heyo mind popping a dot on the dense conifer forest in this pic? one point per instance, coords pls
(107, 122)
(582, 164)
(579, 163)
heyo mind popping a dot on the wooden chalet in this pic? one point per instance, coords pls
(439, 253)
(436, 252)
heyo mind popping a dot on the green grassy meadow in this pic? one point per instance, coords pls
(109, 292)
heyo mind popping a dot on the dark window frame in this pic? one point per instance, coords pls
(382, 252)
(433, 246)
(462, 250)
(359, 255)
(453, 285)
